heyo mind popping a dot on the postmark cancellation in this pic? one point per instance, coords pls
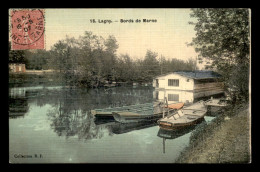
(27, 29)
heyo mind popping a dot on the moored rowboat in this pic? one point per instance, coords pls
(184, 117)
(127, 117)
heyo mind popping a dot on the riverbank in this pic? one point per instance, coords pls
(33, 79)
(225, 140)
(50, 78)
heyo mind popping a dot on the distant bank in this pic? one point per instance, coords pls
(34, 78)
(37, 72)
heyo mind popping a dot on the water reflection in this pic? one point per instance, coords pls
(120, 128)
(69, 112)
(175, 96)
(18, 104)
(18, 107)
(174, 134)
(63, 117)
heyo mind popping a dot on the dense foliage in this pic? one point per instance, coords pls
(222, 35)
(91, 61)
(16, 56)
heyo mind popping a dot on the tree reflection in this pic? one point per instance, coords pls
(69, 112)
(69, 117)
(18, 107)
(120, 128)
(18, 103)
(174, 134)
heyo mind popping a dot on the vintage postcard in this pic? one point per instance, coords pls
(129, 85)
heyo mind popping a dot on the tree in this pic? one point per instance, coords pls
(16, 56)
(87, 61)
(59, 61)
(91, 60)
(222, 35)
(111, 44)
(109, 59)
(37, 59)
(124, 68)
(150, 66)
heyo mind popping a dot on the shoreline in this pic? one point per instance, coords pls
(225, 140)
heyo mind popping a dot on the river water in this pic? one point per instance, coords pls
(53, 125)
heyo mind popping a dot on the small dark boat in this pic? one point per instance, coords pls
(102, 115)
(184, 117)
(110, 85)
(216, 102)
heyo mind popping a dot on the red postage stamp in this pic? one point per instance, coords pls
(27, 29)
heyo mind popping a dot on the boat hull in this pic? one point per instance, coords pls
(173, 134)
(102, 115)
(119, 117)
(143, 112)
(187, 116)
(128, 119)
(170, 126)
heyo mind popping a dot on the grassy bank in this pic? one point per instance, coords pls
(225, 140)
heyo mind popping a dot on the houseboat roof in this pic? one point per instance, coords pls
(195, 74)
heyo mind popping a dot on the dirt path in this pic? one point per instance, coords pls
(228, 142)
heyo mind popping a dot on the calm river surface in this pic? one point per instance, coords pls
(53, 125)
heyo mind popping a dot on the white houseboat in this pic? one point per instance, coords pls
(187, 86)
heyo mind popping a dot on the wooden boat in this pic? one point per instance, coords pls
(173, 134)
(127, 117)
(106, 113)
(184, 117)
(167, 134)
(145, 115)
(175, 105)
(135, 112)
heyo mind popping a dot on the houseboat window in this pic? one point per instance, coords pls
(173, 82)
(157, 83)
(157, 95)
(173, 97)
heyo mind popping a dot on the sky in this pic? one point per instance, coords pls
(168, 36)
